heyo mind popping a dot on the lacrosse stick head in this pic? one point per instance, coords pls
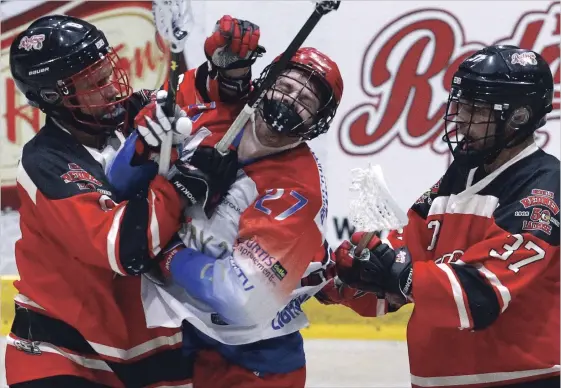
(323, 7)
(172, 18)
(374, 209)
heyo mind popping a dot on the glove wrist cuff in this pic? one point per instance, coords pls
(233, 89)
(238, 64)
(406, 283)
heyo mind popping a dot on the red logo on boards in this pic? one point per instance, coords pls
(407, 71)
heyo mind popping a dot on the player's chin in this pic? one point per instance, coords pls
(285, 140)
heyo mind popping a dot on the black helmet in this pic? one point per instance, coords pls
(498, 87)
(65, 67)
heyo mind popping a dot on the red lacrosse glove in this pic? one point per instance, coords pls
(234, 44)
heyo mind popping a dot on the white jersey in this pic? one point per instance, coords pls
(267, 234)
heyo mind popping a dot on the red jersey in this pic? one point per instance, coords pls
(268, 230)
(76, 305)
(485, 253)
(196, 86)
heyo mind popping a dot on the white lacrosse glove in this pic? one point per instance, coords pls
(152, 123)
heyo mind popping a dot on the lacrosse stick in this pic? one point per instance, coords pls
(255, 98)
(171, 17)
(374, 209)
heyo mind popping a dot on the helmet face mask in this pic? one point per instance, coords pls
(496, 102)
(294, 104)
(95, 95)
(472, 128)
(304, 99)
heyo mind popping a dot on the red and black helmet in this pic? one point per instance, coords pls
(324, 74)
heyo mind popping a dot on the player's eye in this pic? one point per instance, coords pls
(307, 101)
(103, 81)
(283, 87)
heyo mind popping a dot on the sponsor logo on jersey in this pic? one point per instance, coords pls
(292, 310)
(279, 271)
(78, 174)
(247, 286)
(323, 186)
(261, 258)
(231, 205)
(194, 235)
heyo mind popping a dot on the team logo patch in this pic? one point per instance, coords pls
(78, 175)
(524, 59)
(34, 42)
(540, 197)
(540, 219)
(429, 194)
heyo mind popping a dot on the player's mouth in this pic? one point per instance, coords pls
(114, 111)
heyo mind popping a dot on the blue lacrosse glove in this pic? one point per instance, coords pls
(126, 177)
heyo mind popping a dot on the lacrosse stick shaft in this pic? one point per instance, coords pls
(363, 243)
(165, 149)
(257, 95)
(170, 17)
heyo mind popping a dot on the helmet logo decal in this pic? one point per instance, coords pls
(75, 25)
(34, 42)
(523, 59)
(39, 71)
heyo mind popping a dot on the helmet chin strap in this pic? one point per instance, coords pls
(268, 148)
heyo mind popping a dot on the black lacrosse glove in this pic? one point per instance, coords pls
(378, 268)
(206, 177)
